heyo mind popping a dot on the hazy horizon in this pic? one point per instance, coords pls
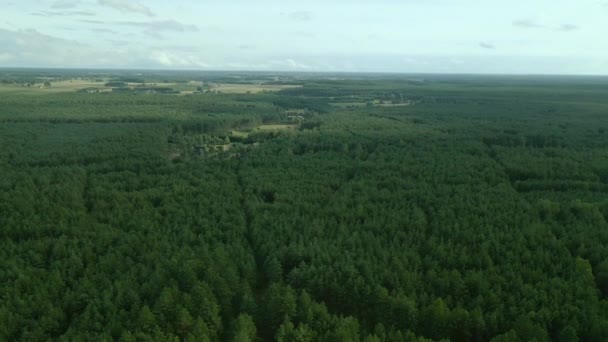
(428, 37)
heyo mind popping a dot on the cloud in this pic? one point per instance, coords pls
(91, 21)
(183, 49)
(65, 4)
(246, 47)
(156, 28)
(153, 29)
(30, 47)
(62, 13)
(568, 27)
(161, 25)
(295, 65)
(5, 57)
(169, 59)
(527, 24)
(286, 64)
(531, 24)
(486, 45)
(304, 34)
(127, 6)
(300, 16)
(102, 30)
(118, 42)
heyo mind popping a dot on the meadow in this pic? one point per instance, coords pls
(295, 207)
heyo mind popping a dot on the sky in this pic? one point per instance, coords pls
(406, 36)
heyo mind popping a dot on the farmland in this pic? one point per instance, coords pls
(53, 88)
(302, 207)
(52, 85)
(249, 88)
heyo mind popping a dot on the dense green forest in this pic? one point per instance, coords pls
(352, 208)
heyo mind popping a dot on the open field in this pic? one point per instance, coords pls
(375, 103)
(183, 88)
(56, 87)
(235, 88)
(391, 104)
(348, 104)
(239, 134)
(263, 128)
(276, 127)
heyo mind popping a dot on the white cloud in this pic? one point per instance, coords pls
(6, 57)
(155, 29)
(568, 27)
(527, 23)
(63, 13)
(65, 4)
(34, 49)
(286, 64)
(159, 26)
(295, 65)
(532, 24)
(300, 15)
(128, 6)
(169, 59)
(31, 47)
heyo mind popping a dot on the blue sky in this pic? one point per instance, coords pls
(441, 36)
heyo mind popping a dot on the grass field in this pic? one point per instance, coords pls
(75, 85)
(266, 128)
(56, 87)
(184, 88)
(405, 104)
(249, 88)
(240, 134)
(376, 103)
(275, 127)
(348, 104)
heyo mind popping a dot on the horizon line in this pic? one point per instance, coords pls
(326, 72)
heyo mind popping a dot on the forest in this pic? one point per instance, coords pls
(341, 207)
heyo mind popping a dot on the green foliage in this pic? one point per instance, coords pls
(244, 329)
(476, 213)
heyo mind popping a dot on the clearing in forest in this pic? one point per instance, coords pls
(266, 128)
(277, 127)
(249, 88)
